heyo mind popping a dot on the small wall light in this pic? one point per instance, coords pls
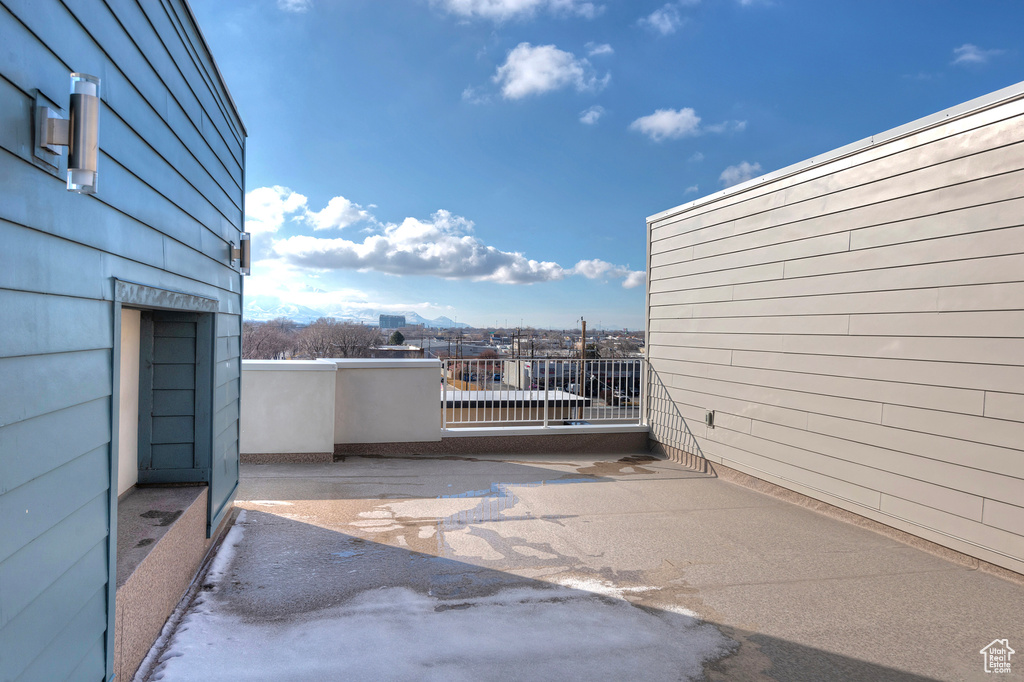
(243, 253)
(80, 133)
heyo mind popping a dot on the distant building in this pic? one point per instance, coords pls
(392, 321)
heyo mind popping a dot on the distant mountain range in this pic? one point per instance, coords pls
(263, 308)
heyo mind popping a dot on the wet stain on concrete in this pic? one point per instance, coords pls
(165, 518)
(499, 498)
(619, 467)
(415, 456)
(453, 607)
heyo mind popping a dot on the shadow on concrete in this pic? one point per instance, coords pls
(309, 585)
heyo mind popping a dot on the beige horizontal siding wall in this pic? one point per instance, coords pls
(856, 323)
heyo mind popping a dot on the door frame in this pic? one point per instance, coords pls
(143, 297)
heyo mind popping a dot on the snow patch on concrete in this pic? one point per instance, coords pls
(176, 621)
(227, 550)
(580, 630)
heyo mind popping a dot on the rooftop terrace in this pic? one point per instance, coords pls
(557, 566)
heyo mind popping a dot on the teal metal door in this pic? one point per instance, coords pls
(175, 397)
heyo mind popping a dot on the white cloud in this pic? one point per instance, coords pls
(532, 70)
(279, 279)
(726, 127)
(634, 279)
(665, 20)
(267, 208)
(692, 189)
(972, 54)
(591, 115)
(275, 282)
(502, 10)
(672, 124)
(273, 276)
(733, 175)
(668, 124)
(474, 96)
(339, 213)
(594, 269)
(594, 50)
(696, 157)
(442, 246)
(599, 269)
(297, 6)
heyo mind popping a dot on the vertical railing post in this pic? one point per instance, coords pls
(642, 416)
(547, 382)
(642, 419)
(444, 394)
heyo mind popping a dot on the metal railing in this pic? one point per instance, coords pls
(541, 391)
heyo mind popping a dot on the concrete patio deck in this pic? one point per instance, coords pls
(568, 567)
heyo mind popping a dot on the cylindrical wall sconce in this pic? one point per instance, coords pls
(80, 134)
(84, 134)
(243, 253)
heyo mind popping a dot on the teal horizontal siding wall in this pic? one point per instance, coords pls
(169, 206)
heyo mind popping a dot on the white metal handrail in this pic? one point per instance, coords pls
(541, 391)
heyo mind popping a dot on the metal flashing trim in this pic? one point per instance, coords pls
(468, 432)
(999, 97)
(134, 294)
(216, 67)
(289, 366)
(379, 363)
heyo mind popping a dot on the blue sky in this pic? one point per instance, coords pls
(495, 160)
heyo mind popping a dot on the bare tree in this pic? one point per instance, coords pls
(284, 324)
(491, 365)
(329, 338)
(316, 340)
(355, 340)
(264, 341)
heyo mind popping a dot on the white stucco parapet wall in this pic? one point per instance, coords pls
(287, 406)
(386, 400)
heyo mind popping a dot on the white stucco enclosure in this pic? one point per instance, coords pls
(307, 406)
(287, 407)
(387, 400)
